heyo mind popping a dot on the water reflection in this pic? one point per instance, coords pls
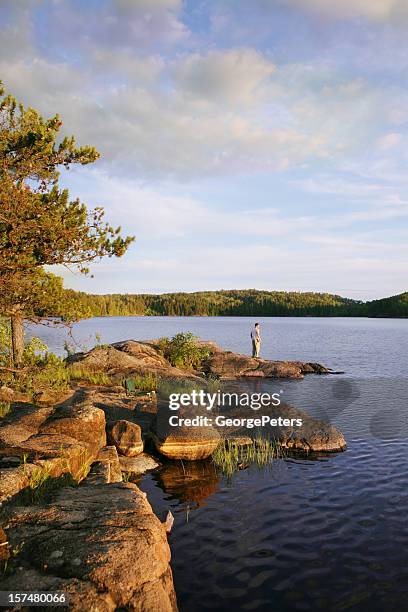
(190, 482)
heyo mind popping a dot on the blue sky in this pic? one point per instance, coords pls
(246, 143)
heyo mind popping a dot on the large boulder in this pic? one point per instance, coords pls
(84, 422)
(127, 437)
(186, 443)
(182, 441)
(101, 544)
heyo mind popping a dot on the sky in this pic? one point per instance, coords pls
(245, 143)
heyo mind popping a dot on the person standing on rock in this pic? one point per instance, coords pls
(256, 340)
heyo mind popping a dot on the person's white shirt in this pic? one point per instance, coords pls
(255, 334)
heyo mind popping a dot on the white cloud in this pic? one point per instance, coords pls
(378, 10)
(128, 6)
(390, 141)
(207, 113)
(228, 77)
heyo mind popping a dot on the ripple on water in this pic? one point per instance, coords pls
(303, 535)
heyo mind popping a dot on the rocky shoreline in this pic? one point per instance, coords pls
(100, 541)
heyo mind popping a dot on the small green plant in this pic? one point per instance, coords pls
(37, 479)
(35, 352)
(83, 470)
(184, 350)
(4, 409)
(40, 480)
(9, 555)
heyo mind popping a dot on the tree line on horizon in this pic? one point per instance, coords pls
(249, 302)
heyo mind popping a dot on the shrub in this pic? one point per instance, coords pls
(184, 350)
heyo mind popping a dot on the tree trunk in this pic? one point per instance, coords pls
(17, 339)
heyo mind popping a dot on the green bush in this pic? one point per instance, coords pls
(47, 372)
(184, 350)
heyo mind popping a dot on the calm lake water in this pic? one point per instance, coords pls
(318, 533)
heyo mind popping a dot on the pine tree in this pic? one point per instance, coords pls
(39, 224)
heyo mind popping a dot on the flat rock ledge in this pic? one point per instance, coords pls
(61, 438)
(100, 543)
(142, 357)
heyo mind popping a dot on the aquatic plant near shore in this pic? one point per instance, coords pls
(230, 457)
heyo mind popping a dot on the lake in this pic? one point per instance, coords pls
(319, 533)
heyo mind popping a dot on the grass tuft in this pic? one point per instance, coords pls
(41, 483)
(230, 457)
(78, 372)
(145, 382)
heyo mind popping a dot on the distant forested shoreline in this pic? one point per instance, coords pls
(248, 302)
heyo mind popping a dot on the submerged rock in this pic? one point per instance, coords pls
(101, 544)
(191, 482)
